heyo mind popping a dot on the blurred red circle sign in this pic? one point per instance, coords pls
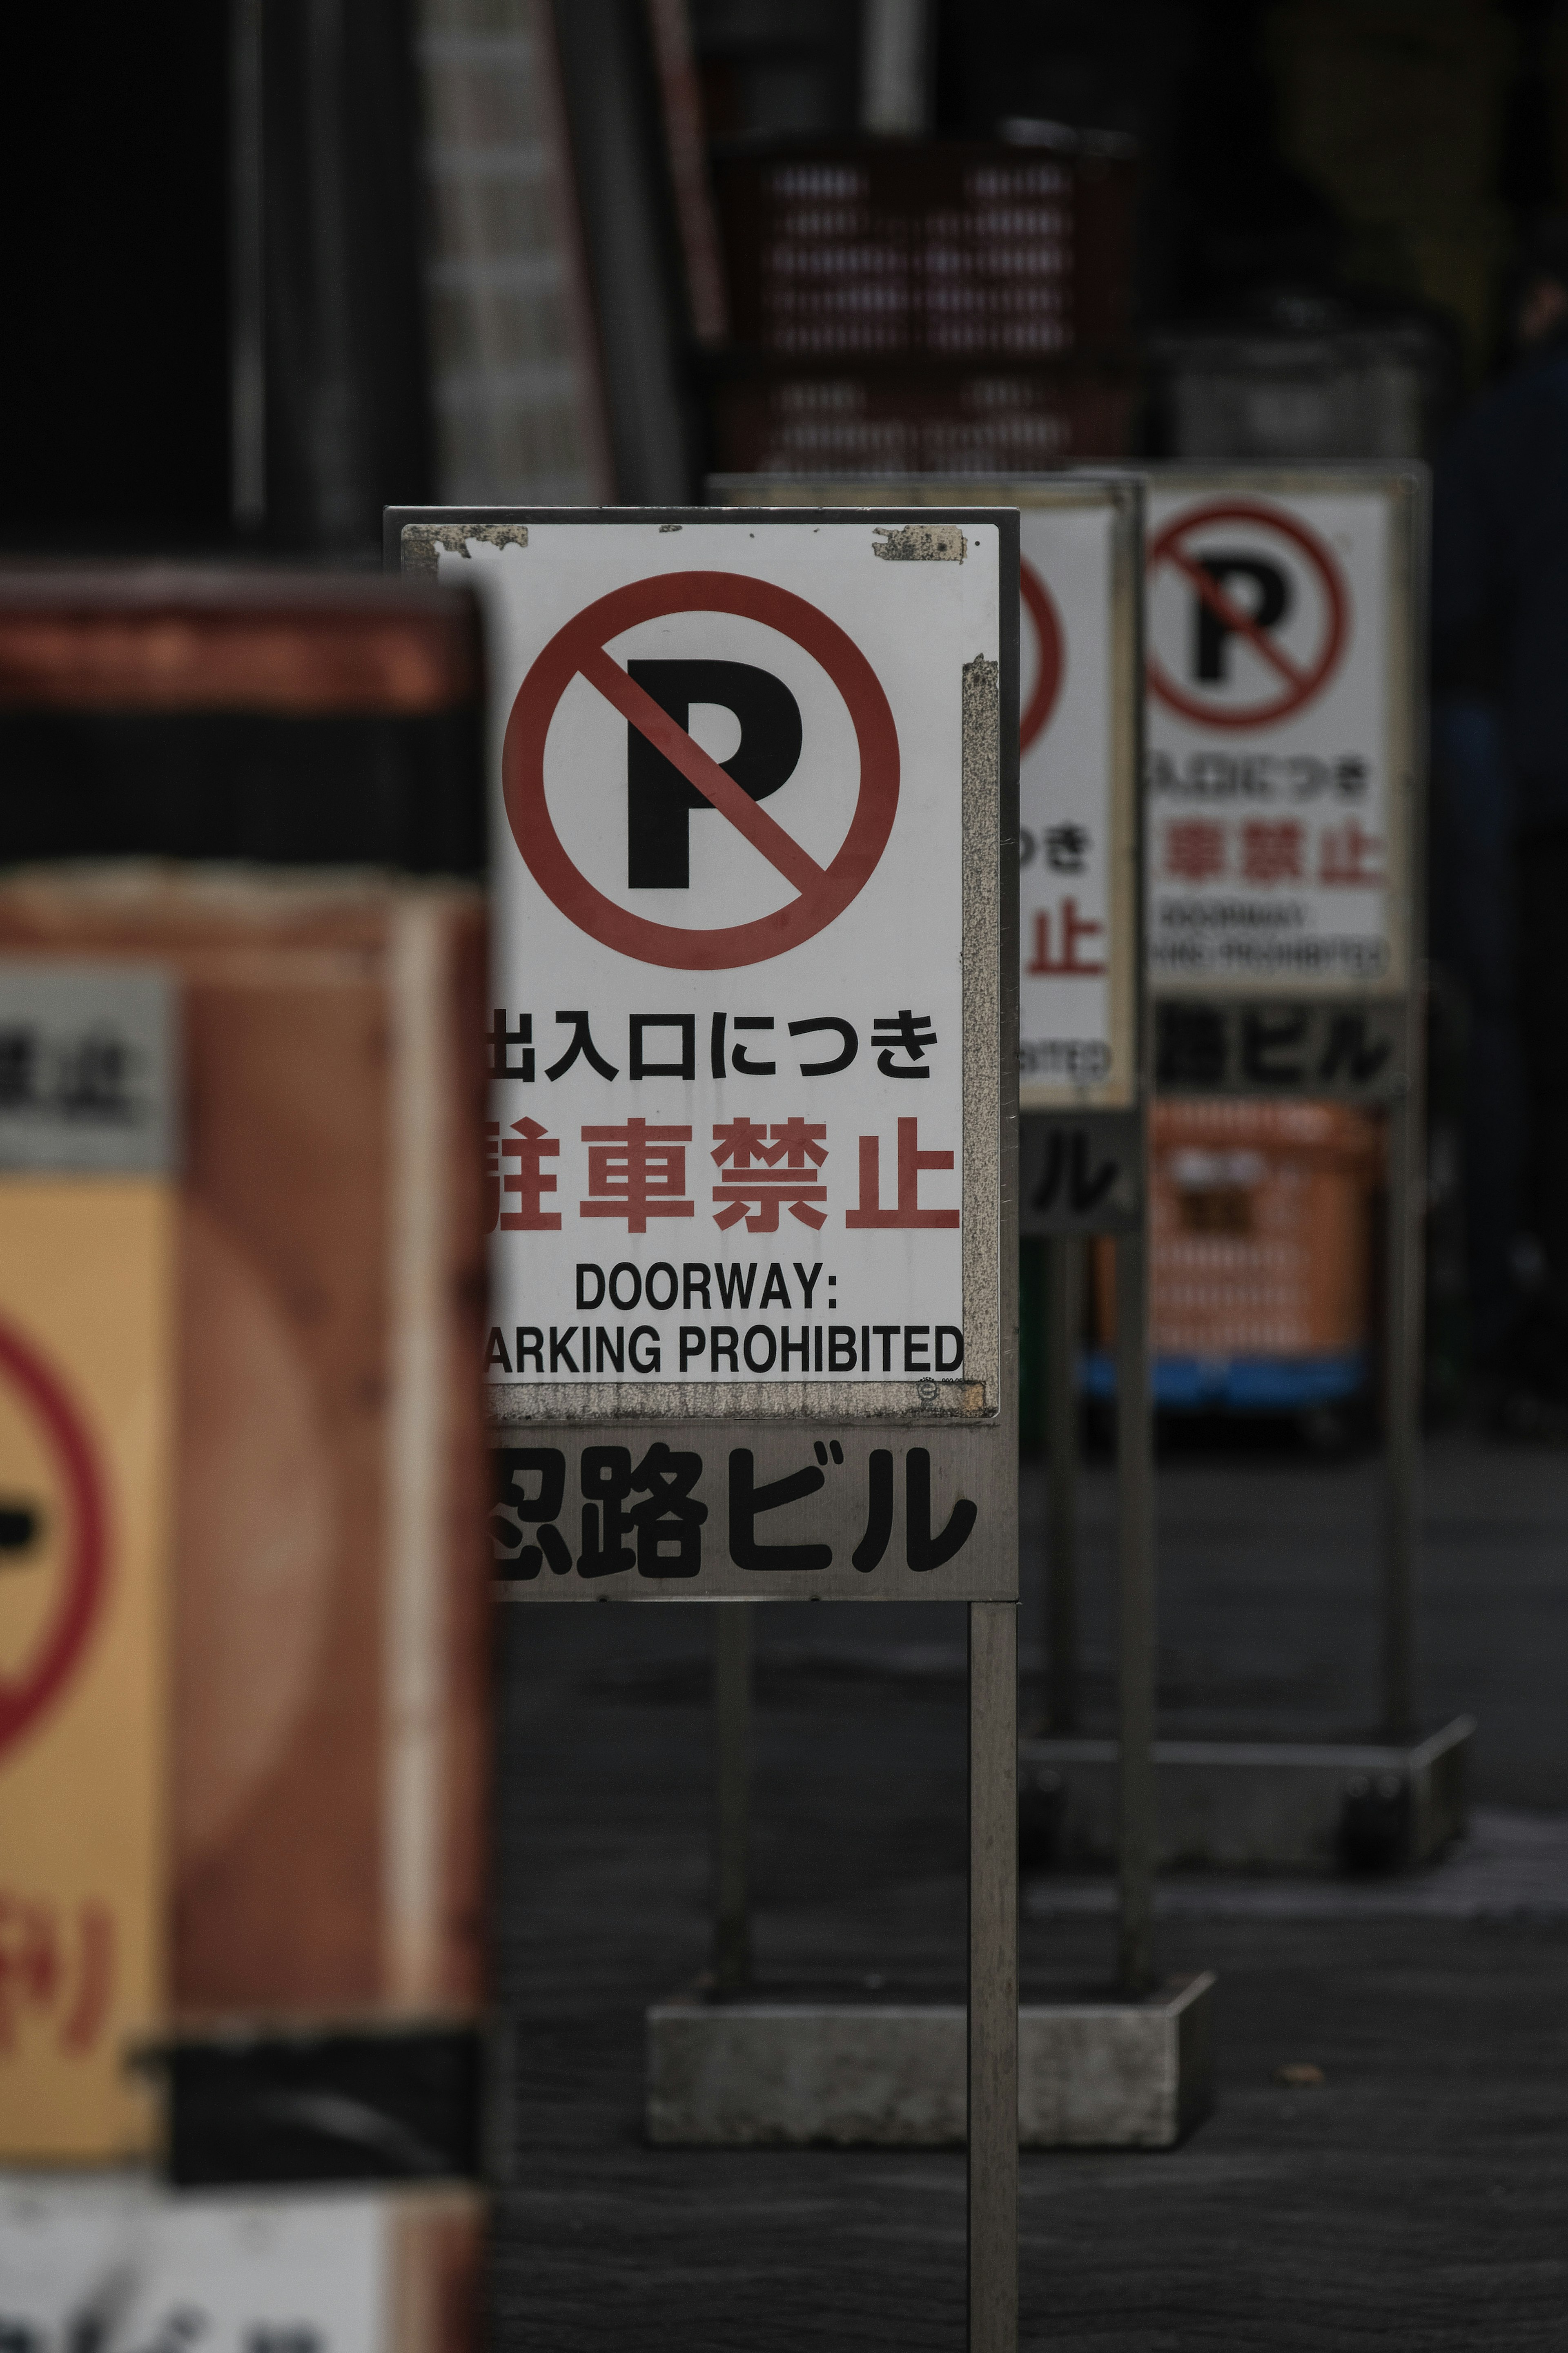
(822, 892)
(57, 1650)
(1299, 680)
(1042, 612)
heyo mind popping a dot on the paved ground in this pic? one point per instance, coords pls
(1415, 2200)
(1269, 1601)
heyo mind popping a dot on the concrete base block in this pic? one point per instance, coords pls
(1232, 1805)
(1092, 2075)
(1117, 2075)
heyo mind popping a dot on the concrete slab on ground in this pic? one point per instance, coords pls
(1253, 1805)
(1092, 2075)
(1510, 1866)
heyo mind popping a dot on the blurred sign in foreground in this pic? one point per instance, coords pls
(242, 1592)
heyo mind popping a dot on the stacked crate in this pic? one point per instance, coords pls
(903, 306)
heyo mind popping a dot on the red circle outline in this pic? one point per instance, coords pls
(1041, 608)
(85, 1573)
(1318, 556)
(542, 852)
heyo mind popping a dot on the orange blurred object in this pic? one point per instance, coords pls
(1260, 1230)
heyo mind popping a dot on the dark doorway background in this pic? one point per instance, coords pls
(116, 392)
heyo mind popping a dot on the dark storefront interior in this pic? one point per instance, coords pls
(1323, 205)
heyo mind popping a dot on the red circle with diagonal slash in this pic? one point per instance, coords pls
(23, 1701)
(1301, 684)
(822, 894)
(1041, 610)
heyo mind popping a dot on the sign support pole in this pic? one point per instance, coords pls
(731, 1796)
(1136, 1632)
(1064, 1271)
(1401, 1397)
(993, 1976)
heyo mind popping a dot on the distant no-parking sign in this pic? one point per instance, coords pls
(753, 969)
(1280, 742)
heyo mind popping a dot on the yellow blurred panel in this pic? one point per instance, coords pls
(87, 1294)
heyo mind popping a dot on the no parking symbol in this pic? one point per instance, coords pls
(668, 775)
(1250, 614)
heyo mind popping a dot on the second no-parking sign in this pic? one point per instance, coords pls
(1280, 745)
(1080, 830)
(753, 971)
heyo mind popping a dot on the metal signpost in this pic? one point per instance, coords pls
(753, 1132)
(1283, 617)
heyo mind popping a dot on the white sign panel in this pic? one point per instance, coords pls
(114, 2263)
(1278, 744)
(730, 1121)
(1077, 787)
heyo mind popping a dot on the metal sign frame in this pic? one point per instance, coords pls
(1362, 1043)
(971, 1423)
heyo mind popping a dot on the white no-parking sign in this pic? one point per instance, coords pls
(1281, 744)
(753, 975)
